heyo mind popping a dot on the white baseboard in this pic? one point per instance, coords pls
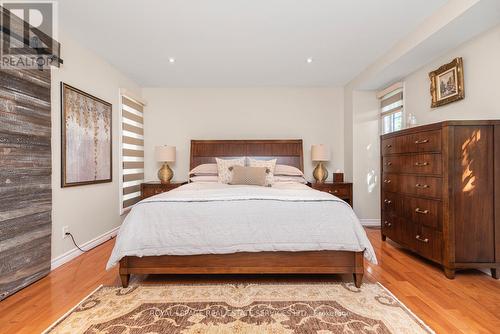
(71, 254)
(370, 222)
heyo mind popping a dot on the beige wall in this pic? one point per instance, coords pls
(366, 155)
(174, 116)
(92, 210)
(481, 57)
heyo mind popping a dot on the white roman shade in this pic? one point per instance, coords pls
(391, 107)
(132, 126)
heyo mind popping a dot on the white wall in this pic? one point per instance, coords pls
(366, 155)
(481, 57)
(174, 116)
(91, 210)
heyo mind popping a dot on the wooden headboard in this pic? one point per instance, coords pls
(288, 152)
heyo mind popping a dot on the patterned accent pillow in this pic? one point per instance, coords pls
(225, 175)
(255, 176)
(271, 164)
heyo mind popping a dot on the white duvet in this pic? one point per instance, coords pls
(215, 218)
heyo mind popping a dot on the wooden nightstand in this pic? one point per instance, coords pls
(342, 190)
(149, 189)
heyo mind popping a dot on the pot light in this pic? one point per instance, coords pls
(171, 60)
(309, 60)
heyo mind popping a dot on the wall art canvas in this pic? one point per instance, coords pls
(447, 83)
(86, 138)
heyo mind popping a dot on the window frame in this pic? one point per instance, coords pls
(385, 94)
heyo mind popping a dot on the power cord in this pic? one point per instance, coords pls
(74, 242)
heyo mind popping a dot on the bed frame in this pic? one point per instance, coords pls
(289, 152)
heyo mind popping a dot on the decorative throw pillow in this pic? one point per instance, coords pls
(287, 170)
(249, 175)
(204, 169)
(271, 164)
(204, 178)
(223, 171)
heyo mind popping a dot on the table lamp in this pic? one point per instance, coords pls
(320, 153)
(165, 154)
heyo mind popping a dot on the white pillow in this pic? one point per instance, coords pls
(287, 170)
(271, 164)
(289, 179)
(204, 178)
(225, 175)
(204, 169)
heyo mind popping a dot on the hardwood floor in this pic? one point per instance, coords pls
(468, 304)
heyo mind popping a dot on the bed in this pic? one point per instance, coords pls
(203, 228)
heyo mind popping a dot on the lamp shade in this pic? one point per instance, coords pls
(320, 152)
(165, 153)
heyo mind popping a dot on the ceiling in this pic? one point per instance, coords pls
(241, 42)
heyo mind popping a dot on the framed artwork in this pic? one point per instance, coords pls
(86, 147)
(447, 83)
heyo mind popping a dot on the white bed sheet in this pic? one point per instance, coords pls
(215, 218)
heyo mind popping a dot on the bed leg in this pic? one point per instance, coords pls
(125, 279)
(358, 279)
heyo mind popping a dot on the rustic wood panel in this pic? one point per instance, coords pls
(25, 178)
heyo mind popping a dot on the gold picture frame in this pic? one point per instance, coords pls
(447, 83)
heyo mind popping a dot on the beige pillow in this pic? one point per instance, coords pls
(223, 171)
(204, 169)
(204, 178)
(287, 170)
(289, 179)
(249, 175)
(271, 164)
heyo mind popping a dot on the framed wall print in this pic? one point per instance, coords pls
(447, 83)
(86, 147)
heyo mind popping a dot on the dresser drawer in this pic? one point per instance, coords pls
(392, 226)
(423, 164)
(391, 203)
(425, 212)
(413, 164)
(390, 182)
(426, 186)
(389, 146)
(429, 243)
(426, 141)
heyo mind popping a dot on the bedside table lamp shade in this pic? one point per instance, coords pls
(165, 154)
(320, 153)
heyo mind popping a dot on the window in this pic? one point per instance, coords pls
(391, 108)
(132, 152)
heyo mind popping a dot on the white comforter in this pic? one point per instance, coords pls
(214, 218)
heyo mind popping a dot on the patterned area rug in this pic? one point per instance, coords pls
(241, 308)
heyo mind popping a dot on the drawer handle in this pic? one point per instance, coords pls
(387, 181)
(388, 163)
(388, 146)
(387, 224)
(418, 185)
(333, 191)
(424, 212)
(387, 201)
(422, 141)
(419, 238)
(421, 164)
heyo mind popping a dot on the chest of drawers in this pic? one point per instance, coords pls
(440, 193)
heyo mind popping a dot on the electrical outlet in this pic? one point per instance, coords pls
(65, 230)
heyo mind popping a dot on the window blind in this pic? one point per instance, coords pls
(132, 151)
(391, 108)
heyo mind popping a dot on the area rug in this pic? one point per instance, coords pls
(241, 308)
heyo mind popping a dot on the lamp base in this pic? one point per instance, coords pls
(320, 173)
(165, 174)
